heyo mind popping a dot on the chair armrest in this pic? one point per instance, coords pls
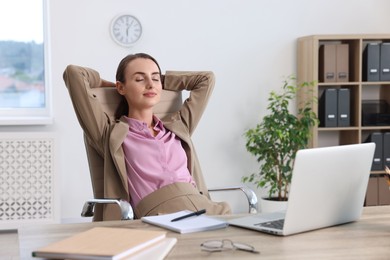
(126, 209)
(249, 193)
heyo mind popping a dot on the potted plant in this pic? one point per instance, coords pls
(277, 138)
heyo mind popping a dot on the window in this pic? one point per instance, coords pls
(24, 92)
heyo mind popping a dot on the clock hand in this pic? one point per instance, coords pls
(128, 27)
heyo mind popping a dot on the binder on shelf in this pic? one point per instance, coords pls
(377, 162)
(328, 108)
(386, 149)
(384, 74)
(342, 62)
(343, 107)
(371, 62)
(327, 63)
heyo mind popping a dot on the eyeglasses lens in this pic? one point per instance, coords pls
(219, 245)
(244, 247)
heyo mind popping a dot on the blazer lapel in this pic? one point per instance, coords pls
(117, 137)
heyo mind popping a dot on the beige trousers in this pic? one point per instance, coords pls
(176, 197)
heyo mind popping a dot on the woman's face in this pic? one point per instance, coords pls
(142, 86)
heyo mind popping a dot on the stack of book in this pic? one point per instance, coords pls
(110, 243)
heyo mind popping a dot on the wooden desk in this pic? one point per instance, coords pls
(368, 238)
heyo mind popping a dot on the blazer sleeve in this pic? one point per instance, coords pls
(93, 121)
(200, 84)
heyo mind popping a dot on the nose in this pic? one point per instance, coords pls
(149, 83)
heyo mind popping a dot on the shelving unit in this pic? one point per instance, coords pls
(308, 71)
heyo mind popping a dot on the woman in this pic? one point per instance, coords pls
(150, 163)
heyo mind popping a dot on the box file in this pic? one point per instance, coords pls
(372, 192)
(334, 108)
(386, 149)
(377, 162)
(371, 62)
(378, 192)
(383, 191)
(334, 63)
(327, 63)
(328, 108)
(342, 62)
(343, 107)
(384, 74)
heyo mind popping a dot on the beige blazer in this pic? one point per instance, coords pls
(106, 134)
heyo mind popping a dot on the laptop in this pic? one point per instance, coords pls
(328, 188)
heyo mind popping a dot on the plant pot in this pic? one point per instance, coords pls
(269, 205)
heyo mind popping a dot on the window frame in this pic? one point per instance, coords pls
(35, 116)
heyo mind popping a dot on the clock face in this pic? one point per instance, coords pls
(126, 30)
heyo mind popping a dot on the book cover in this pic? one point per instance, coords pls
(101, 243)
(187, 225)
(157, 251)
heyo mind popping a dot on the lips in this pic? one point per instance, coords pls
(150, 94)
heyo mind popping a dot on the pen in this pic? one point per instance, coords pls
(197, 213)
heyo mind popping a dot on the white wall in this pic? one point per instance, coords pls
(250, 45)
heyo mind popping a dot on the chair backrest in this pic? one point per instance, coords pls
(170, 102)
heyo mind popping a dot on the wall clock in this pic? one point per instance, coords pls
(126, 30)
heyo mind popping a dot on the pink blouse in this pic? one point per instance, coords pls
(153, 162)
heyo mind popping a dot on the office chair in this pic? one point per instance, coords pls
(109, 99)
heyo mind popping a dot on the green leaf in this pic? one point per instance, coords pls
(275, 140)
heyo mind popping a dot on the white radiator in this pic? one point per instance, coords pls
(27, 179)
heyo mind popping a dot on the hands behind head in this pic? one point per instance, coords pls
(107, 84)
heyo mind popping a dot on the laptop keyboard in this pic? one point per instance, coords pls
(276, 224)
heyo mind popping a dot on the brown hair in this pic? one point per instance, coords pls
(123, 108)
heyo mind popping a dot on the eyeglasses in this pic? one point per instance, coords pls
(226, 244)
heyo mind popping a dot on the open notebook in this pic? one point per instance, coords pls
(187, 225)
(328, 188)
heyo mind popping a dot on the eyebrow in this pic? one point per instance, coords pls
(143, 73)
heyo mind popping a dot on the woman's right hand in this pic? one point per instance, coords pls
(107, 84)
